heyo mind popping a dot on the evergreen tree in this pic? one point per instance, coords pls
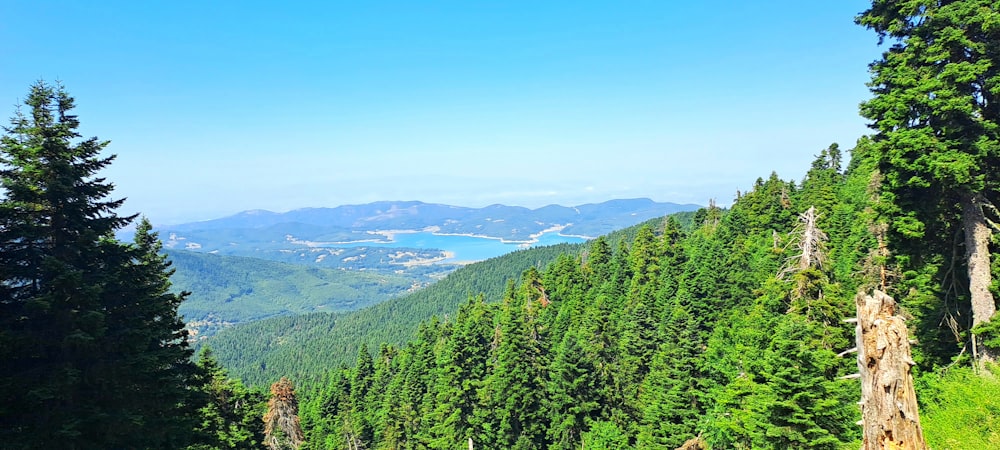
(232, 417)
(514, 392)
(739, 414)
(640, 326)
(565, 286)
(377, 410)
(574, 391)
(598, 261)
(820, 187)
(703, 288)
(462, 371)
(358, 428)
(669, 395)
(670, 266)
(598, 340)
(95, 354)
(936, 113)
(810, 408)
(324, 413)
(605, 436)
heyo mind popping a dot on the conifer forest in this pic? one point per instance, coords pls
(741, 327)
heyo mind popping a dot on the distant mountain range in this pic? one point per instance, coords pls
(259, 264)
(513, 223)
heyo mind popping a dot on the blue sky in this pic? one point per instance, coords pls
(218, 107)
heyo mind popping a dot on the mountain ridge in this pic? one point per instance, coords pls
(497, 220)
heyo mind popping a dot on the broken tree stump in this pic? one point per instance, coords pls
(695, 443)
(888, 401)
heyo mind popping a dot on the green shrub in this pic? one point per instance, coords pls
(960, 409)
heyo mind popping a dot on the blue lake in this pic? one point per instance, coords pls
(465, 248)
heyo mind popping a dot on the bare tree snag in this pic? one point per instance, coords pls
(811, 242)
(977, 257)
(281, 423)
(888, 401)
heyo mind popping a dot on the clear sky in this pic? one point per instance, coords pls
(215, 107)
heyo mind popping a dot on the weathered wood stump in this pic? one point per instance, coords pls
(888, 401)
(695, 443)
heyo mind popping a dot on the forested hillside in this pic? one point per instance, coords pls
(228, 290)
(730, 331)
(647, 344)
(303, 347)
(723, 328)
(306, 346)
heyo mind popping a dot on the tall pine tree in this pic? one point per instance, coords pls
(95, 355)
(936, 112)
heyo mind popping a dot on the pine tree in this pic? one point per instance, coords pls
(605, 436)
(377, 410)
(811, 409)
(462, 370)
(514, 391)
(669, 395)
(639, 322)
(95, 354)
(325, 412)
(565, 287)
(937, 142)
(231, 419)
(358, 429)
(598, 262)
(574, 391)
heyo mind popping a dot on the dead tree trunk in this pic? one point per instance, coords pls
(811, 244)
(977, 257)
(888, 402)
(281, 423)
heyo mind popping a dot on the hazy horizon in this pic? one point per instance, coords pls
(218, 108)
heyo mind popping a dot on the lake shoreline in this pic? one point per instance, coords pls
(459, 248)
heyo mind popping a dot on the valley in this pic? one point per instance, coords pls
(163, 287)
(258, 264)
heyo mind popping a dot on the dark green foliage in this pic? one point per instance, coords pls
(574, 389)
(305, 346)
(605, 436)
(514, 392)
(644, 346)
(669, 396)
(324, 413)
(360, 428)
(94, 353)
(936, 114)
(232, 417)
(461, 373)
(810, 409)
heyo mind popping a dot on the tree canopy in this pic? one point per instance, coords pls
(94, 353)
(936, 114)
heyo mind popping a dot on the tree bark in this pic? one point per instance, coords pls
(888, 401)
(977, 257)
